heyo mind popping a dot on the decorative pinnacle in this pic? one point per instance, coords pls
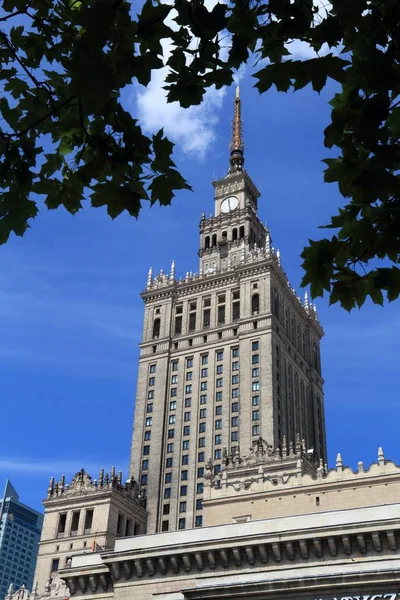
(237, 144)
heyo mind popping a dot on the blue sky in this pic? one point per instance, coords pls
(71, 315)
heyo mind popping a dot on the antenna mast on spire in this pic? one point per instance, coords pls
(237, 144)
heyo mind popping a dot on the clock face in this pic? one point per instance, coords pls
(230, 203)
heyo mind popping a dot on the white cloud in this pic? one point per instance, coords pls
(193, 128)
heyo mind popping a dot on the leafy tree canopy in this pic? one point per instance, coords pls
(63, 70)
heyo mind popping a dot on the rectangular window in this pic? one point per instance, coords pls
(183, 490)
(204, 359)
(169, 462)
(235, 379)
(256, 400)
(174, 392)
(202, 427)
(152, 381)
(255, 359)
(218, 410)
(174, 365)
(203, 399)
(217, 468)
(184, 475)
(174, 379)
(255, 372)
(182, 507)
(220, 355)
(150, 394)
(218, 396)
(235, 365)
(178, 325)
(235, 421)
(203, 386)
(185, 459)
(206, 317)
(235, 393)
(168, 477)
(234, 436)
(189, 363)
(185, 444)
(207, 302)
(218, 454)
(188, 389)
(203, 413)
(220, 369)
(255, 415)
(200, 472)
(193, 305)
(235, 352)
(255, 386)
(165, 509)
(167, 493)
(152, 368)
(149, 421)
(235, 407)
(149, 408)
(199, 521)
(186, 430)
(61, 523)
(199, 488)
(145, 464)
(171, 434)
(143, 480)
(202, 442)
(172, 405)
(147, 435)
(55, 565)
(218, 424)
(165, 526)
(192, 321)
(255, 345)
(187, 416)
(235, 311)
(221, 315)
(199, 504)
(179, 309)
(200, 456)
(189, 376)
(181, 523)
(219, 382)
(204, 372)
(218, 439)
(146, 450)
(170, 447)
(188, 402)
(256, 430)
(171, 419)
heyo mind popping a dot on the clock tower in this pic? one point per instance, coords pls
(235, 228)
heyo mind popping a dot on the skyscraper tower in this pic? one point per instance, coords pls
(227, 355)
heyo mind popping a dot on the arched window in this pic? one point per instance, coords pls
(224, 235)
(234, 234)
(156, 328)
(214, 240)
(207, 242)
(241, 232)
(255, 304)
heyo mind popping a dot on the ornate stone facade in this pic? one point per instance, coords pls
(227, 355)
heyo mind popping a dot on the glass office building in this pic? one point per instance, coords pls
(20, 528)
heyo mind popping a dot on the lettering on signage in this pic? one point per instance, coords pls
(391, 596)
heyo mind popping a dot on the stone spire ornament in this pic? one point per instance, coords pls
(381, 456)
(237, 145)
(306, 301)
(172, 271)
(149, 278)
(339, 462)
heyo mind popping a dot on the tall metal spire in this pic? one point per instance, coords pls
(237, 145)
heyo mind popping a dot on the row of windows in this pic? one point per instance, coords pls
(182, 523)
